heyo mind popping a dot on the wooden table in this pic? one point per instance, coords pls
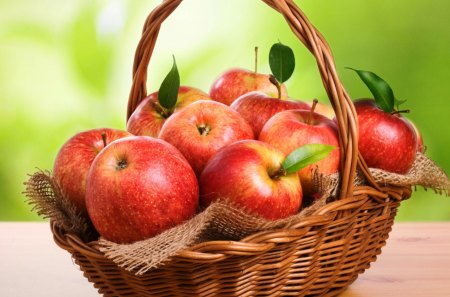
(415, 262)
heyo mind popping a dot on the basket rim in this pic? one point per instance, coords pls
(256, 243)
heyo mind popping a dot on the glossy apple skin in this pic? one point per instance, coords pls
(257, 108)
(288, 130)
(74, 158)
(386, 141)
(241, 173)
(225, 127)
(155, 190)
(147, 120)
(236, 82)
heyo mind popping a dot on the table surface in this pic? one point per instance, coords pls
(415, 262)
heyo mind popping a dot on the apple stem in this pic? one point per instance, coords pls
(276, 83)
(256, 59)
(400, 111)
(281, 172)
(165, 113)
(311, 112)
(104, 138)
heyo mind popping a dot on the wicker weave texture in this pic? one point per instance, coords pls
(319, 256)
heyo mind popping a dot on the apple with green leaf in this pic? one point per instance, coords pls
(257, 107)
(202, 128)
(387, 140)
(291, 129)
(138, 187)
(258, 177)
(150, 115)
(237, 81)
(153, 111)
(74, 159)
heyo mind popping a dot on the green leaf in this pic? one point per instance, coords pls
(380, 89)
(398, 102)
(168, 92)
(281, 61)
(306, 155)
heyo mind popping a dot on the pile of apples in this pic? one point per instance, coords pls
(245, 142)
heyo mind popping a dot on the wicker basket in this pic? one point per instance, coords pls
(319, 256)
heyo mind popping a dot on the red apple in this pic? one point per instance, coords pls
(257, 108)
(248, 174)
(386, 140)
(291, 129)
(236, 82)
(74, 159)
(202, 128)
(149, 116)
(138, 187)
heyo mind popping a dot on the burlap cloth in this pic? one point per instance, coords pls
(220, 221)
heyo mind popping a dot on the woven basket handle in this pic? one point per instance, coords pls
(316, 44)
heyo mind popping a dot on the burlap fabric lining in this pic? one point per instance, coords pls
(221, 220)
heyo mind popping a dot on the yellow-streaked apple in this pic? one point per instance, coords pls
(149, 116)
(257, 108)
(249, 173)
(138, 187)
(386, 140)
(74, 159)
(202, 128)
(291, 129)
(236, 82)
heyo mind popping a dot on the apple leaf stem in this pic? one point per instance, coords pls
(279, 173)
(311, 112)
(306, 155)
(276, 83)
(400, 111)
(104, 138)
(164, 112)
(168, 91)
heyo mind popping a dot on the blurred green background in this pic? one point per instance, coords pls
(65, 66)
